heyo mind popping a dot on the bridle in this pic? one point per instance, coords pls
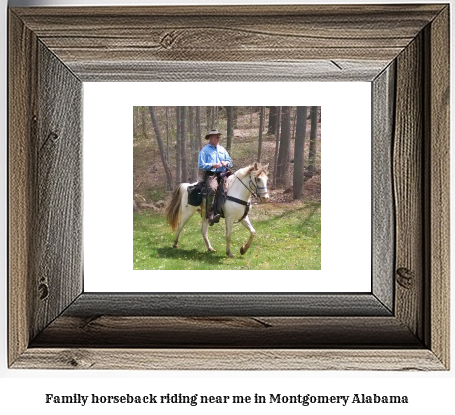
(254, 188)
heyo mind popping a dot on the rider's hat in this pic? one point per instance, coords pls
(212, 132)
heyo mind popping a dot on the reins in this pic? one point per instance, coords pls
(249, 185)
(243, 202)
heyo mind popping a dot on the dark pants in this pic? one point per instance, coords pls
(211, 184)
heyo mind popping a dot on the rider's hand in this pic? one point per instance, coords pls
(225, 163)
(216, 165)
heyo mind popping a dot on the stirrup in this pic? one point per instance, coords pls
(214, 219)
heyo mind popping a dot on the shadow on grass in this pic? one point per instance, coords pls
(307, 214)
(308, 217)
(189, 254)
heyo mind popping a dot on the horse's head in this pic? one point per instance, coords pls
(260, 174)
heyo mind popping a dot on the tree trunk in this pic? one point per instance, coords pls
(198, 138)
(294, 122)
(167, 169)
(167, 134)
(212, 125)
(207, 113)
(273, 118)
(313, 135)
(183, 144)
(235, 115)
(277, 148)
(216, 115)
(143, 124)
(135, 121)
(230, 128)
(178, 170)
(191, 135)
(261, 127)
(285, 142)
(194, 147)
(297, 188)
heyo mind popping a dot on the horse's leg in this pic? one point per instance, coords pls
(246, 222)
(188, 211)
(229, 226)
(204, 231)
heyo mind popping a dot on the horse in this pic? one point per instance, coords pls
(241, 185)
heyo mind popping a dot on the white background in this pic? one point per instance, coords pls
(346, 192)
(23, 391)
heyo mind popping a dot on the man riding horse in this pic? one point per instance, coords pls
(213, 160)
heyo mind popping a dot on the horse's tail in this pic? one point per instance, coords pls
(173, 208)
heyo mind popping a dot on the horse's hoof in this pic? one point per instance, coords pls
(242, 250)
(175, 246)
(211, 250)
(230, 255)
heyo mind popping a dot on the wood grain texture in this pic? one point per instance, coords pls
(22, 96)
(257, 332)
(44, 187)
(407, 173)
(89, 305)
(58, 204)
(438, 193)
(309, 71)
(227, 34)
(383, 215)
(60, 47)
(235, 359)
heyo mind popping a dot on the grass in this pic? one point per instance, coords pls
(288, 237)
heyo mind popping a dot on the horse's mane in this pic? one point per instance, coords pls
(255, 169)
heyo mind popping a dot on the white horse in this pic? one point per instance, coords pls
(240, 186)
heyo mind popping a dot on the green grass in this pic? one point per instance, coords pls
(288, 237)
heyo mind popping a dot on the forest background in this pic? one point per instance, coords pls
(166, 144)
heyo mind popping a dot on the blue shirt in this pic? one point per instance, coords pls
(210, 155)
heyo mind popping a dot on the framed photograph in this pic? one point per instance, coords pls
(400, 322)
(287, 226)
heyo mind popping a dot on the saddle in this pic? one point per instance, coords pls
(221, 192)
(197, 192)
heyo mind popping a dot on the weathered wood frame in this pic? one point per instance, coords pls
(403, 50)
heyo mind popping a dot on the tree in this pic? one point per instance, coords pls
(135, 121)
(184, 176)
(144, 125)
(198, 138)
(261, 127)
(285, 143)
(294, 122)
(298, 179)
(208, 112)
(273, 121)
(235, 115)
(213, 118)
(167, 134)
(277, 148)
(178, 169)
(194, 146)
(313, 135)
(169, 181)
(230, 128)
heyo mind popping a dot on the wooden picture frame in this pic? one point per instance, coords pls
(403, 324)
